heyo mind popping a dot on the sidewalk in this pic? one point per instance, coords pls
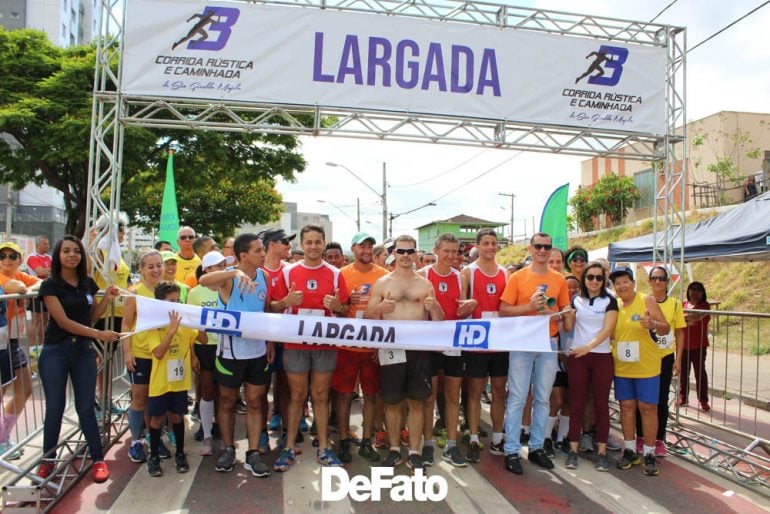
(739, 376)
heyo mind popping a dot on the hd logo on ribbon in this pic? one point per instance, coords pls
(471, 334)
(219, 20)
(221, 322)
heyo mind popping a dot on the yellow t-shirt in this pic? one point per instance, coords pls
(172, 373)
(120, 279)
(205, 297)
(186, 266)
(140, 341)
(635, 353)
(674, 314)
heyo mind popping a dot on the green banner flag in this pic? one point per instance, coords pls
(554, 218)
(169, 214)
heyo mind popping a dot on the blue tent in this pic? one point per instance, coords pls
(740, 234)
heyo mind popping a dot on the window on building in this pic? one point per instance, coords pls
(15, 15)
(644, 182)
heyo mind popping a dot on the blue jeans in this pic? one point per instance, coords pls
(78, 361)
(539, 370)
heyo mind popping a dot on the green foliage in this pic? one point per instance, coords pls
(223, 179)
(611, 195)
(584, 209)
(727, 149)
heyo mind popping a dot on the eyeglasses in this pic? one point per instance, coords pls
(578, 259)
(407, 251)
(658, 279)
(186, 238)
(595, 278)
(12, 256)
(538, 246)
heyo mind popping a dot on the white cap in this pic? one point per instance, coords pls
(212, 259)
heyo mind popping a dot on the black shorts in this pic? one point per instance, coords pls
(142, 374)
(6, 370)
(452, 366)
(561, 380)
(233, 373)
(175, 402)
(483, 364)
(207, 355)
(410, 379)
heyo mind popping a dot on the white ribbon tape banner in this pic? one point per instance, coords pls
(525, 333)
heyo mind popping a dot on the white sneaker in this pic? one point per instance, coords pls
(205, 448)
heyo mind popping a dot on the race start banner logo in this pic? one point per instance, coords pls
(320, 57)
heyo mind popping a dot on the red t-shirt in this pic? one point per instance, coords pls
(448, 290)
(315, 283)
(486, 290)
(36, 260)
(697, 336)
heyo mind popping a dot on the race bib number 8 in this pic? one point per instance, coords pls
(628, 351)
(175, 370)
(394, 356)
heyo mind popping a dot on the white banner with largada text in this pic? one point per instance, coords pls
(305, 56)
(525, 333)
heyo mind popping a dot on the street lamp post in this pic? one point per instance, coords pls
(382, 196)
(394, 215)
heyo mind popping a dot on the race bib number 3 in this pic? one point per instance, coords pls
(628, 351)
(394, 356)
(175, 370)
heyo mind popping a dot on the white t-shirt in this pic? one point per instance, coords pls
(589, 320)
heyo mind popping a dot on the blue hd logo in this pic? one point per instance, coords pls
(471, 334)
(221, 322)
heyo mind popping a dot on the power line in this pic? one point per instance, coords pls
(443, 172)
(662, 11)
(730, 25)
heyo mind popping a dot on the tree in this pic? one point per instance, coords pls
(614, 196)
(584, 209)
(45, 105)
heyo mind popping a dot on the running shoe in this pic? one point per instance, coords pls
(513, 464)
(438, 427)
(539, 458)
(303, 425)
(441, 439)
(313, 429)
(391, 460)
(548, 448)
(153, 466)
(454, 457)
(524, 438)
(380, 440)
(275, 422)
(327, 457)
(497, 449)
(650, 469)
(467, 440)
(264, 444)
(368, 452)
(414, 461)
(180, 461)
(345, 455)
(171, 438)
(240, 406)
(427, 455)
(586, 442)
(660, 449)
(198, 435)
(629, 458)
(45, 470)
(404, 437)
(226, 461)
(7, 454)
(206, 447)
(136, 452)
(195, 415)
(572, 461)
(163, 450)
(474, 453)
(640, 445)
(285, 460)
(602, 462)
(255, 465)
(613, 443)
(705, 407)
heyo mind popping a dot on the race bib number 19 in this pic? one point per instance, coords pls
(175, 370)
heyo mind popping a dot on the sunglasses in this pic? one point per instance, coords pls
(12, 256)
(407, 251)
(595, 278)
(578, 259)
(538, 246)
(658, 279)
(186, 238)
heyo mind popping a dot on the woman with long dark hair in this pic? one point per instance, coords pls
(68, 350)
(694, 351)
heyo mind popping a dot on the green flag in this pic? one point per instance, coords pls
(554, 218)
(169, 214)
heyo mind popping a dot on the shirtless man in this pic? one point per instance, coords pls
(404, 295)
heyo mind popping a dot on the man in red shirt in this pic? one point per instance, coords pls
(39, 265)
(321, 291)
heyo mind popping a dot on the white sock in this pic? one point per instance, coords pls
(630, 445)
(474, 438)
(563, 428)
(207, 417)
(549, 426)
(648, 450)
(429, 442)
(525, 428)
(450, 444)
(497, 437)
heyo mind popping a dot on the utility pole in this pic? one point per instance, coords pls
(513, 196)
(358, 214)
(384, 202)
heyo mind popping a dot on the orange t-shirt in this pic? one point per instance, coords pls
(17, 317)
(363, 282)
(523, 284)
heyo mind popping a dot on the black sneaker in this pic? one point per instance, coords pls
(392, 460)
(524, 438)
(198, 435)
(650, 469)
(540, 458)
(153, 466)
(438, 427)
(255, 465)
(513, 464)
(497, 449)
(414, 461)
(427, 455)
(548, 448)
(313, 429)
(368, 452)
(602, 462)
(474, 453)
(572, 461)
(180, 459)
(563, 446)
(300, 438)
(226, 461)
(240, 406)
(629, 458)
(344, 453)
(454, 457)
(215, 432)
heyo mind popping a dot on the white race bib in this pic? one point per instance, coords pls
(628, 351)
(311, 312)
(175, 370)
(391, 356)
(489, 314)
(665, 342)
(453, 353)
(4, 338)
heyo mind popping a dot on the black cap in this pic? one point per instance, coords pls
(622, 272)
(276, 234)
